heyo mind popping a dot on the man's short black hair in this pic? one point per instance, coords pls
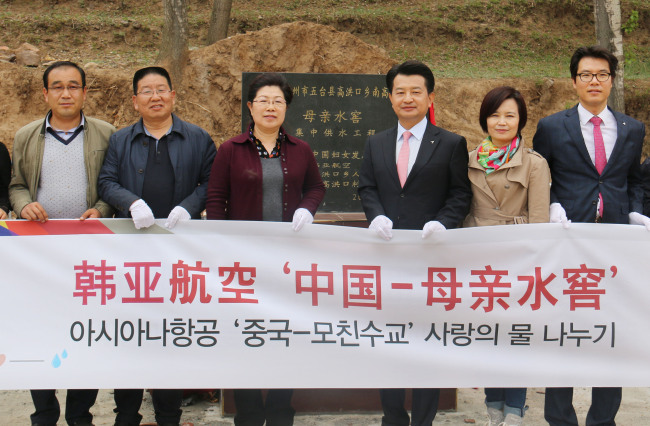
(411, 67)
(592, 52)
(59, 64)
(493, 100)
(143, 72)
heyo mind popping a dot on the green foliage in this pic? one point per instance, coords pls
(460, 38)
(570, 6)
(636, 63)
(632, 22)
(293, 5)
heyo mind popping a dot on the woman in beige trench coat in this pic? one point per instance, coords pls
(510, 185)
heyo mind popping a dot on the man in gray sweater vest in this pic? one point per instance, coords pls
(56, 162)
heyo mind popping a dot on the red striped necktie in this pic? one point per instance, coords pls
(600, 156)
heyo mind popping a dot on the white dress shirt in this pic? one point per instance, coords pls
(417, 133)
(63, 134)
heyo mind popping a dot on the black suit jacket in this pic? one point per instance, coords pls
(5, 177)
(437, 188)
(645, 173)
(575, 180)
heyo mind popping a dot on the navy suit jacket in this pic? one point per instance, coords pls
(645, 173)
(575, 180)
(5, 178)
(437, 188)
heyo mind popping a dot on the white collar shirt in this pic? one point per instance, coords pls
(417, 133)
(64, 134)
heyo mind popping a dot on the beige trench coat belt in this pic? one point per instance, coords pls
(490, 213)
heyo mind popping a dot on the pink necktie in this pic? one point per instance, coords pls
(600, 156)
(403, 158)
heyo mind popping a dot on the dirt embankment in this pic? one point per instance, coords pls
(210, 94)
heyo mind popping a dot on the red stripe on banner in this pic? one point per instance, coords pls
(75, 227)
(58, 227)
(26, 227)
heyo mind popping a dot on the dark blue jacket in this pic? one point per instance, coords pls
(191, 151)
(437, 188)
(575, 180)
(5, 178)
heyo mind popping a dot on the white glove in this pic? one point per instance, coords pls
(301, 217)
(141, 214)
(382, 227)
(177, 213)
(639, 219)
(431, 227)
(557, 214)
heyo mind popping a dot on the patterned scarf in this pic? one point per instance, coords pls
(275, 152)
(492, 157)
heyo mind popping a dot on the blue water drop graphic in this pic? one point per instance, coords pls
(56, 362)
(64, 355)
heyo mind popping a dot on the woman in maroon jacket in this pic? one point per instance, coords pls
(265, 174)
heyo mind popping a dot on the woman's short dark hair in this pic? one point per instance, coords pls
(411, 67)
(493, 100)
(270, 79)
(592, 52)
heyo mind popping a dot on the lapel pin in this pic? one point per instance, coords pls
(432, 141)
(624, 123)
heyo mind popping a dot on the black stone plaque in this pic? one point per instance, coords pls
(334, 114)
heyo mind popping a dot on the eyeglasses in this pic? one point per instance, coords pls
(264, 103)
(72, 89)
(149, 93)
(587, 77)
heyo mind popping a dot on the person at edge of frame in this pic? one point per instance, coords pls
(5, 178)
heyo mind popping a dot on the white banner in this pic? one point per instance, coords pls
(255, 305)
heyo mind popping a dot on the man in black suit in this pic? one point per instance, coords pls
(594, 154)
(413, 176)
(5, 178)
(645, 173)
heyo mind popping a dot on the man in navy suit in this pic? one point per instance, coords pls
(422, 185)
(594, 154)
